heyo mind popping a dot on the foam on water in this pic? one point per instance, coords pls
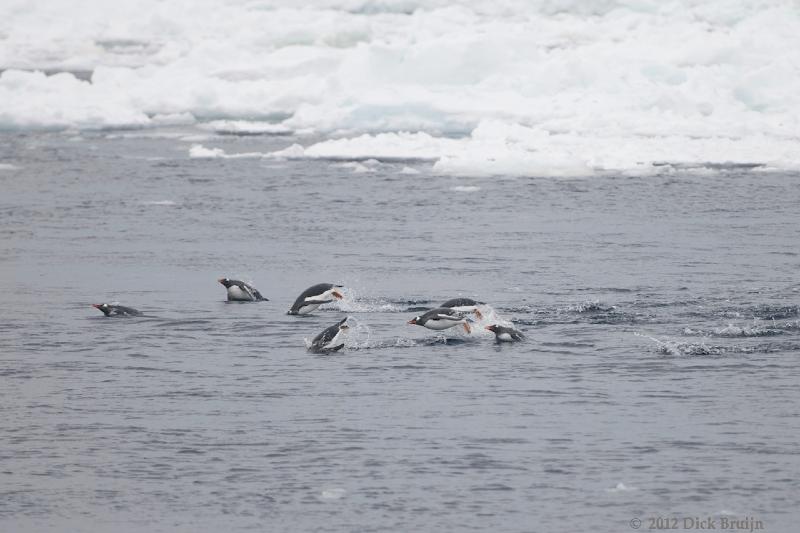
(159, 202)
(543, 88)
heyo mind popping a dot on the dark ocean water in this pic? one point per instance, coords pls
(660, 377)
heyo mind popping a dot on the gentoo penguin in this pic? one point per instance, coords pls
(465, 305)
(313, 297)
(326, 341)
(239, 291)
(116, 310)
(441, 318)
(505, 334)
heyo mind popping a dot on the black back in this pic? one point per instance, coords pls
(314, 290)
(327, 336)
(460, 302)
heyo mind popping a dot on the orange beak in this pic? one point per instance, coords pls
(412, 321)
(97, 306)
(220, 280)
(337, 295)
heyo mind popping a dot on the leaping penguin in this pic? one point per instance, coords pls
(313, 297)
(441, 318)
(326, 342)
(239, 291)
(116, 310)
(465, 305)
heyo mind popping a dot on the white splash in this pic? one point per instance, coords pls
(621, 487)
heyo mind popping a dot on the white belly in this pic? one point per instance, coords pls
(442, 324)
(237, 294)
(505, 337)
(307, 308)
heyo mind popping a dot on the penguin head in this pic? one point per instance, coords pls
(336, 293)
(105, 308)
(492, 328)
(225, 282)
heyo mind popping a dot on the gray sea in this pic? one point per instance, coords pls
(660, 377)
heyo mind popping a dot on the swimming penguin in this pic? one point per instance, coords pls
(326, 341)
(505, 334)
(441, 318)
(313, 297)
(239, 291)
(465, 305)
(116, 310)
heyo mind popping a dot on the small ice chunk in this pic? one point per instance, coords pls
(408, 170)
(198, 151)
(334, 493)
(621, 487)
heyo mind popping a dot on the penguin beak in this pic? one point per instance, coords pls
(337, 295)
(97, 306)
(221, 280)
(489, 328)
(412, 321)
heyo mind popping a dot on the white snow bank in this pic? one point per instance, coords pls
(527, 86)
